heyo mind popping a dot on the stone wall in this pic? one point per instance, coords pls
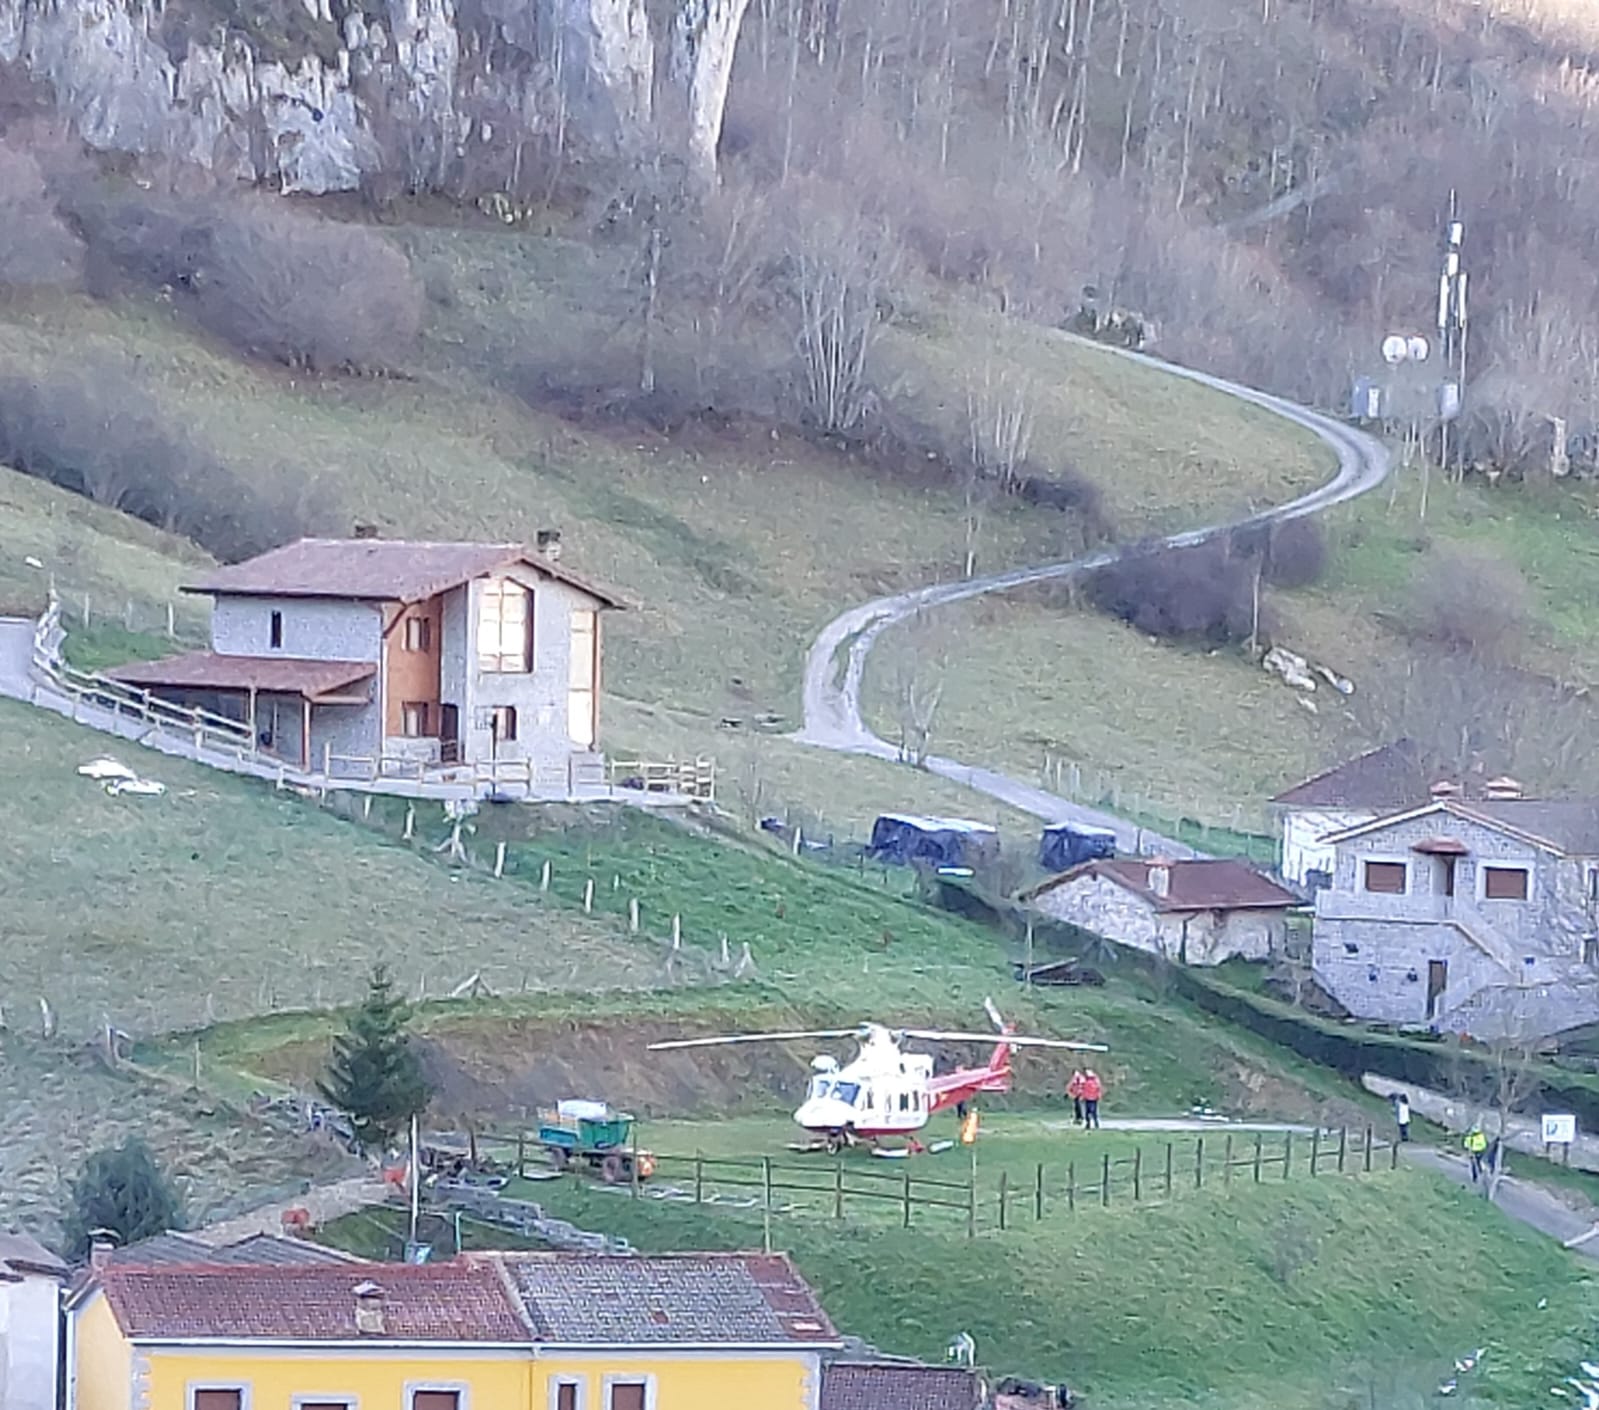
(313, 629)
(1200, 938)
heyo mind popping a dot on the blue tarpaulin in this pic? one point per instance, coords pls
(1066, 845)
(903, 838)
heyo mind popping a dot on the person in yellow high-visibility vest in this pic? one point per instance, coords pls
(969, 1128)
(1476, 1144)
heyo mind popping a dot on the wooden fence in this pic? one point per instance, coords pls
(957, 1185)
(209, 732)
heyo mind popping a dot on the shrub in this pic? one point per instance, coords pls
(122, 1191)
(1069, 491)
(1294, 550)
(307, 292)
(272, 281)
(37, 249)
(1199, 593)
(94, 434)
(1469, 600)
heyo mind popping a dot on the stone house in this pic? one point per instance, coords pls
(1465, 916)
(1198, 912)
(31, 1279)
(374, 656)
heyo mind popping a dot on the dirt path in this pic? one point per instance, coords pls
(832, 689)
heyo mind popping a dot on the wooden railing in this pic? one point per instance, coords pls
(692, 778)
(208, 731)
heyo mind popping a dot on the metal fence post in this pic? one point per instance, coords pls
(1168, 1169)
(1038, 1192)
(1288, 1151)
(1199, 1162)
(1104, 1182)
(1315, 1150)
(908, 1194)
(1343, 1145)
(1368, 1150)
(1071, 1186)
(1138, 1168)
(1227, 1160)
(1004, 1196)
(1258, 1139)
(838, 1188)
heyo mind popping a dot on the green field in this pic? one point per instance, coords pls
(1338, 1291)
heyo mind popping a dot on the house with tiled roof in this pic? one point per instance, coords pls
(1466, 915)
(534, 1331)
(901, 1385)
(369, 657)
(1197, 911)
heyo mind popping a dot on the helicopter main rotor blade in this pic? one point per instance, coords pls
(754, 1038)
(1013, 1040)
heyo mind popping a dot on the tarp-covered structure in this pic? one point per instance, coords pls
(1066, 845)
(953, 843)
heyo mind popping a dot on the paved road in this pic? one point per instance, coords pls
(1527, 1203)
(832, 710)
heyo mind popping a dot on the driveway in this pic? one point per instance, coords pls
(832, 689)
(1526, 1203)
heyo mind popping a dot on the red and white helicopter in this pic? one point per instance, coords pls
(884, 1090)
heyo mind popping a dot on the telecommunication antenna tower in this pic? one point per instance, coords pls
(1452, 327)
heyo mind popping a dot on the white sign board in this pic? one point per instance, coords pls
(1559, 1130)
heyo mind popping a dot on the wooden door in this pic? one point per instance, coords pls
(1446, 876)
(1437, 982)
(449, 734)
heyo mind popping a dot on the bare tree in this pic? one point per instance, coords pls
(921, 665)
(841, 270)
(37, 248)
(703, 38)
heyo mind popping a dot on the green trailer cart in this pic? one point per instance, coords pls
(595, 1135)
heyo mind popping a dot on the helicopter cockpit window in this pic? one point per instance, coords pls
(847, 1092)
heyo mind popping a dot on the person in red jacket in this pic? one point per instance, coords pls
(1074, 1090)
(1093, 1090)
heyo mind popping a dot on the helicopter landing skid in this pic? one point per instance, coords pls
(913, 1147)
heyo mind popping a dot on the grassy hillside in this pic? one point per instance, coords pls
(1297, 1295)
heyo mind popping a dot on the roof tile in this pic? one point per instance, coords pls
(848, 1385)
(1208, 884)
(667, 1299)
(458, 1301)
(381, 570)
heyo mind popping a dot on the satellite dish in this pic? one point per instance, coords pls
(1417, 349)
(1394, 349)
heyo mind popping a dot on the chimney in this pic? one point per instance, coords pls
(1160, 877)
(1503, 788)
(102, 1244)
(369, 1309)
(548, 542)
(366, 531)
(1443, 788)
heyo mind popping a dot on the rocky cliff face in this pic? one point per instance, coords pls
(319, 95)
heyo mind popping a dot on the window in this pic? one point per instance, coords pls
(847, 1091)
(1590, 949)
(418, 634)
(627, 1395)
(414, 719)
(1504, 884)
(435, 1400)
(502, 723)
(216, 1398)
(566, 1395)
(504, 627)
(1386, 878)
(275, 631)
(321, 1402)
(904, 1101)
(582, 678)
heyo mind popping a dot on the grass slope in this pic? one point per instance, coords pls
(1297, 1295)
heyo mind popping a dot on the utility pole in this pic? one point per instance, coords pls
(1452, 335)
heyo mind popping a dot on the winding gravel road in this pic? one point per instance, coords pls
(832, 706)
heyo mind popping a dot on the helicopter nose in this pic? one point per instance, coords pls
(822, 1114)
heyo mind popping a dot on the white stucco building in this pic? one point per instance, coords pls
(30, 1323)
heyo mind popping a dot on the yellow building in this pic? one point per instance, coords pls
(485, 1332)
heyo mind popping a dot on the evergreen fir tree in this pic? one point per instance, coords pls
(374, 1075)
(121, 1190)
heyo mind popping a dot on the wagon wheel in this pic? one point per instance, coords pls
(560, 1157)
(613, 1169)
